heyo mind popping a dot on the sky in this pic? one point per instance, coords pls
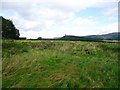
(55, 18)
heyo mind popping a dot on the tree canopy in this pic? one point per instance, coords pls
(9, 30)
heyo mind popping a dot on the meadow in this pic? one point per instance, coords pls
(59, 64)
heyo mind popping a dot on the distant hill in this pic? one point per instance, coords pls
(109, 36)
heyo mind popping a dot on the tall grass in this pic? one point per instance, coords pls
(60, 64)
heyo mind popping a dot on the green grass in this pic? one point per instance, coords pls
(59, 64)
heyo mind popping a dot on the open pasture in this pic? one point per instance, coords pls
(59, 64)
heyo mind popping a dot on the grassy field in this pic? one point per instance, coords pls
(59, 64)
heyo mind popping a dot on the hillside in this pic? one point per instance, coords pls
(109, 36)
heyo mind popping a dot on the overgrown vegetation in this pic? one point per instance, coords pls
(59, 64)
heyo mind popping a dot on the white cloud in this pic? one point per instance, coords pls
(84, 22)
(52, 18)
(113, 27)
(30, 34)
(110, 11)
